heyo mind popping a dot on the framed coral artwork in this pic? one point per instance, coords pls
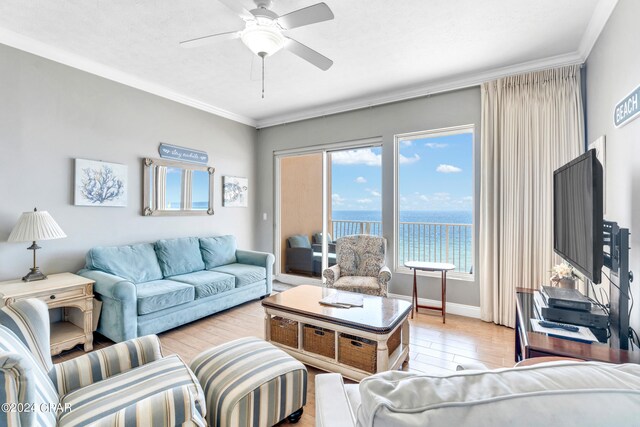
(100, 183)
(236, 191)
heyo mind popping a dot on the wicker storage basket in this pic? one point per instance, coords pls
(394, 340)
(284, 331)
(357, 352)
(319, 341)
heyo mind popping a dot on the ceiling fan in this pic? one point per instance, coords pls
(263, 31)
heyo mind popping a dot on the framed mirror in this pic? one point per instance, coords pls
(177, 188)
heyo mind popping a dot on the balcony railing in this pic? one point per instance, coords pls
(421, 241)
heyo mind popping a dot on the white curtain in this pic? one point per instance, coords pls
(531, 125)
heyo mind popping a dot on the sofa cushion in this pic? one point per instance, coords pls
(95, 402)
(217, 251)
(604, 394)
(179, 256)
(136, 263)
(22, 380)
(299, 241)
(244, 274)
(160, 294)
(207, 283)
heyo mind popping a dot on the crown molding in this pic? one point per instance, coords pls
(445, 85)
(601, 14)
(44, 50)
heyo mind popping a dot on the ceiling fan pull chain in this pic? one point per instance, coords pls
(262, 75)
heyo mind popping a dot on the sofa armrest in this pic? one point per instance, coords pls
(262, 259)
(332, 404)
(109, 285)
(119, 316)
(332, 274)
(384, 277)
(101, 364)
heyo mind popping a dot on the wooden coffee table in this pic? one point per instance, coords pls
(355, 342)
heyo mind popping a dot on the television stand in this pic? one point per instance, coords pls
(530, 344)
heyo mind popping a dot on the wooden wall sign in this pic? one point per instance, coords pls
(182, 154)
(627, 109)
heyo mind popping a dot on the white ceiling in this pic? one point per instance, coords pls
(382, 50)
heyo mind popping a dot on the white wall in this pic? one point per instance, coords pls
(51, 114)
(613, 71)
(438, 111)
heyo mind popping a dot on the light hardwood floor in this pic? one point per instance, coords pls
(434, 347)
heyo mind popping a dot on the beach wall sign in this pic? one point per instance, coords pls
(627, 109)
(173, 152)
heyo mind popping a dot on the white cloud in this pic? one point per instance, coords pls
(337, 199)
(424, 198)
(374, 193)
(365, 200)
(406, 143)
(467, 199)
(364, 156)
(361, 180)
(448, 169)
(435, 145)
(406, 160)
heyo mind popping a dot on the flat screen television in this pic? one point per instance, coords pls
(577, 214)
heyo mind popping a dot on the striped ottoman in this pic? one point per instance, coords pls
(249, 382)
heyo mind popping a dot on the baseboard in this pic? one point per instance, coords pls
(452, 307)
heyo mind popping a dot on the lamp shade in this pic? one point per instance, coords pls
(36, 225)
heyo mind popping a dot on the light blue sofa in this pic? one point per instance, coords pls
(149, 288)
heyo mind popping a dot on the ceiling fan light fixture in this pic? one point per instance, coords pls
(263, 40)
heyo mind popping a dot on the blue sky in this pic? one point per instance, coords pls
(436, 173)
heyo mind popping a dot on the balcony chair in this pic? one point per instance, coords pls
(299, 255)
(360, 265)
(316, 244)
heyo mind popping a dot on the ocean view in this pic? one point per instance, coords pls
(428, 235)
(433, 216)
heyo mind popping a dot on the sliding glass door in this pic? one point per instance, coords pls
(329, 192)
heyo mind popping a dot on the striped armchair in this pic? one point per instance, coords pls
(128, 383)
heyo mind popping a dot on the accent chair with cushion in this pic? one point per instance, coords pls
(299, 255)
(360, 265)
(129, 383)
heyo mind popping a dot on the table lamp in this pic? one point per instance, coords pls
(32, 226)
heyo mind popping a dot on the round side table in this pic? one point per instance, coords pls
(442, 267)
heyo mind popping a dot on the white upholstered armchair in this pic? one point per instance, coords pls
(360, 265)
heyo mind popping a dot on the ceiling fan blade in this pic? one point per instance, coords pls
(308, 54)
(238, 8)
(309, 15)
(201, 41)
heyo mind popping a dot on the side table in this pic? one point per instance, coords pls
(69, 292)
(442, 267)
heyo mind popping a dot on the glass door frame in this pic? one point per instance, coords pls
(325, 149)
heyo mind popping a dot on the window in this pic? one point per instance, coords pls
(434, 197)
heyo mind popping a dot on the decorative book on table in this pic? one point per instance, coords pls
(343, 300)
